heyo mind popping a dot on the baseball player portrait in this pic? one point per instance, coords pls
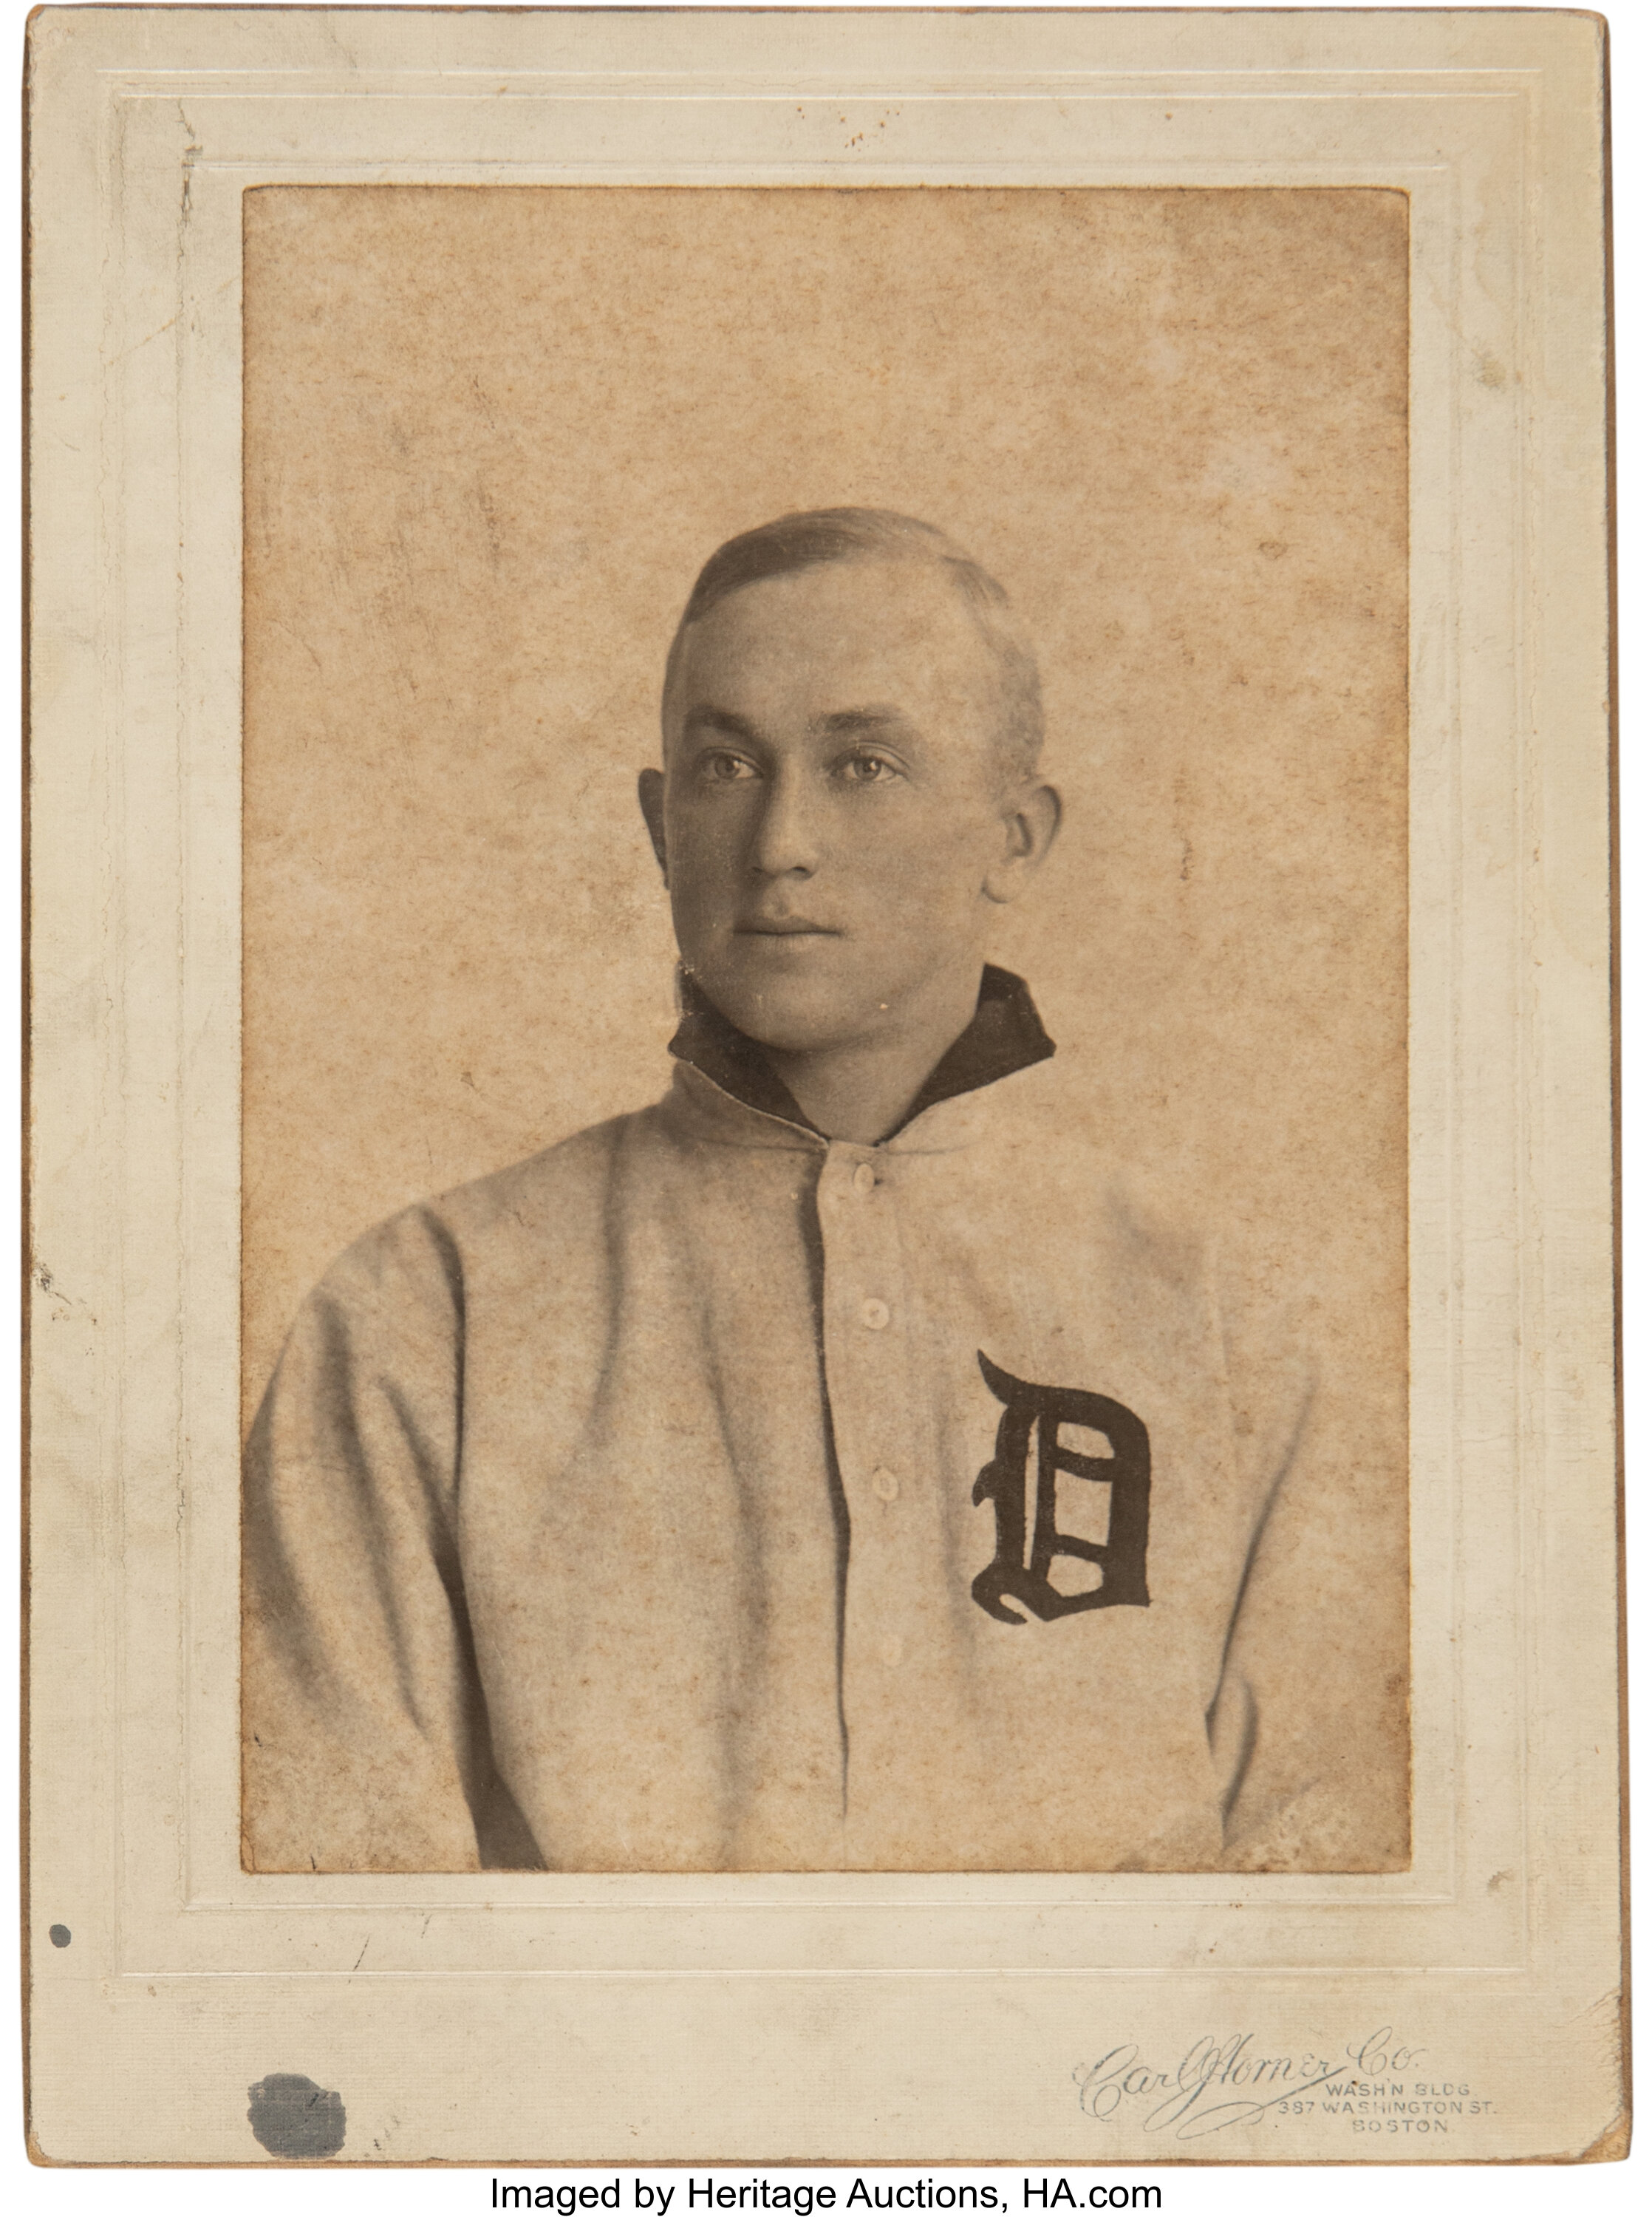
(841, 1463)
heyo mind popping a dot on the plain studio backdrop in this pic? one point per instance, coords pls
(491, 435)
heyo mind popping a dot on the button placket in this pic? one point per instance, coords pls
(869, 1385)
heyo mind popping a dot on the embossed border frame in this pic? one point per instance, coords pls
(883, 2017)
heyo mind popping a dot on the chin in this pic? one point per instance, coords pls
(794, 1015)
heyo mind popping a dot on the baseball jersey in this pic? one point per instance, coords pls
(706, 1493)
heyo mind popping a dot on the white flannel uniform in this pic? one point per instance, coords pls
(626, 1511)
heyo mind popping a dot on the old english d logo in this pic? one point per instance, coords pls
(1121, 1558)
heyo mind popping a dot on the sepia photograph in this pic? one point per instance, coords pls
(823, 1352)
(960, 1424)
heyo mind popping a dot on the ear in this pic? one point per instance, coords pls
(1031, 821)
(650, 793)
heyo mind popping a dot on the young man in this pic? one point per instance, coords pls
(829, 1468)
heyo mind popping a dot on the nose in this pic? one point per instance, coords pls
(785, 840)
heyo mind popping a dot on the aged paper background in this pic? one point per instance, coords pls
(490, 436)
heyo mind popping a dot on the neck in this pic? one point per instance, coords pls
(859, 1090)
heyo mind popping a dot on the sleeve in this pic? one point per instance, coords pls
(364, 1732)
(1310, 1728)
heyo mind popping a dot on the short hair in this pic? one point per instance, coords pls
(819, 535)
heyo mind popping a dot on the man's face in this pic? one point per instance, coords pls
(833, 814)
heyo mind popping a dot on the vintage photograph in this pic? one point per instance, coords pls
(824, 1038)
(823, 1359)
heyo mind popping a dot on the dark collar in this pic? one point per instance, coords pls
(1003, 1035)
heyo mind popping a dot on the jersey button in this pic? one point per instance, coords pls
(874, 1315)
(884, 1483)
(864, 1178)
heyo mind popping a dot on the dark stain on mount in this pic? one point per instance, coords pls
(295, 2118)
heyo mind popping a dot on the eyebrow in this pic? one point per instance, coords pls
(704, 718)
(848, 723)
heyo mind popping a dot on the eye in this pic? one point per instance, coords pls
(866, 769)
(723, 768)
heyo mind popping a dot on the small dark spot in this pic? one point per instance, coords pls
(60, 1936)
(293, 2117)
(1272, 548)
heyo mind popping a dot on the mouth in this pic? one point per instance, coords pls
(785, 927)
